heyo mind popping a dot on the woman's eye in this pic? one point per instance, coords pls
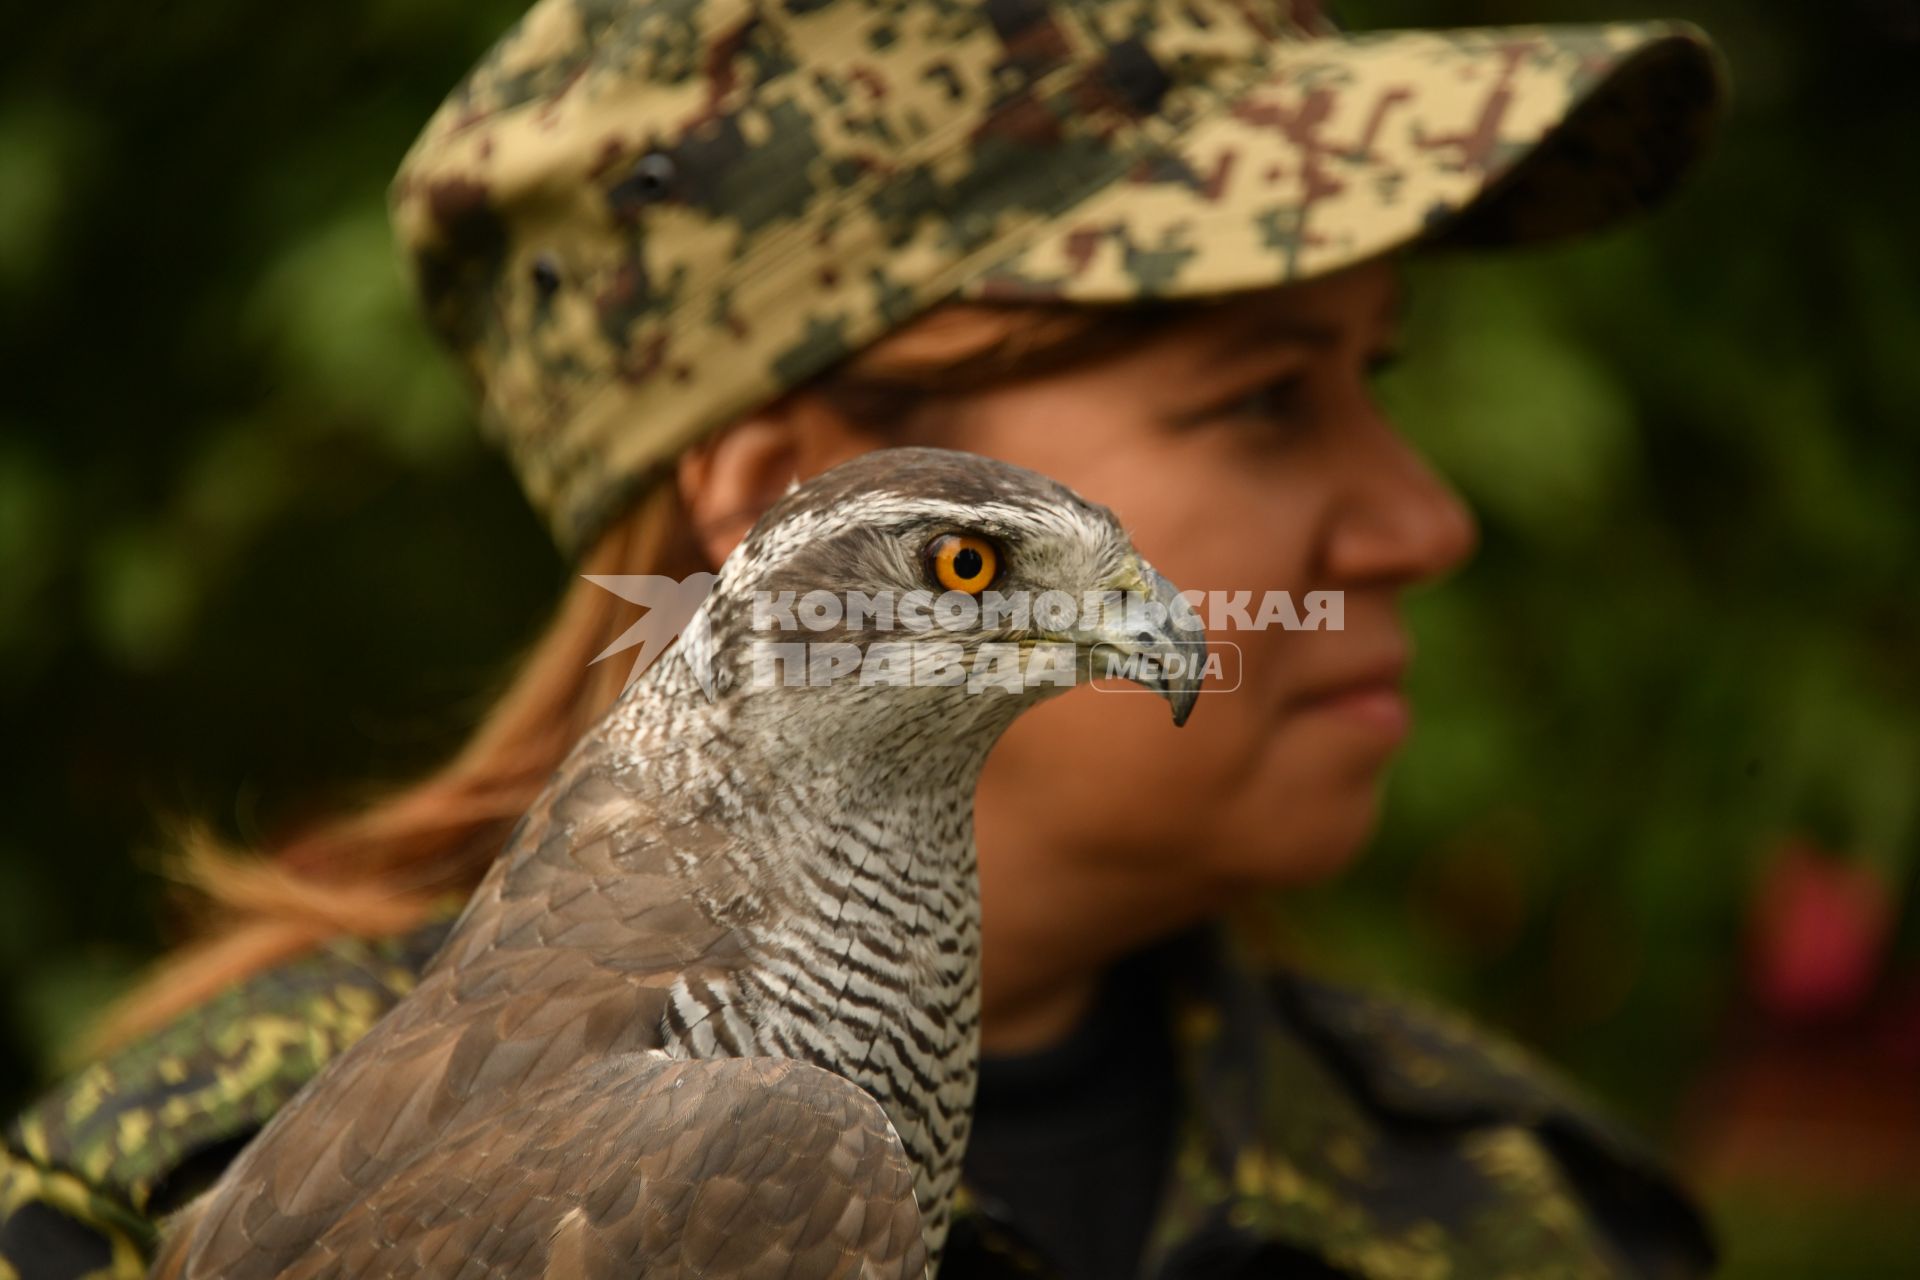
(1280, 399)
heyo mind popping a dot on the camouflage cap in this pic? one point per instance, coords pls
(636, 220)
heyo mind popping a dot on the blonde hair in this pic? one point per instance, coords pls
(382, 870)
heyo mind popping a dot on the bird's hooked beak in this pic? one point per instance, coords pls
(1158, 640)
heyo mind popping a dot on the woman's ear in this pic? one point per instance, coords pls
(727, 480)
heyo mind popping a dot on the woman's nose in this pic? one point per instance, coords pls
(1397, 522)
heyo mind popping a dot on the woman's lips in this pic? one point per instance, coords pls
(1375, 701)
(1378, 706)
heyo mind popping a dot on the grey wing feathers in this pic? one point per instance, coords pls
(647, 1166)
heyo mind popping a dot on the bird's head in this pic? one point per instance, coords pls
(927, 581)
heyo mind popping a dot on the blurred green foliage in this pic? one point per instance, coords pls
(251, 558)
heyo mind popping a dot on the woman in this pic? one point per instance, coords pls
(690, 254)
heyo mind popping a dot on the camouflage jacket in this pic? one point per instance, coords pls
(1321, 1132)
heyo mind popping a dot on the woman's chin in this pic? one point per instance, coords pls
(1313, 839)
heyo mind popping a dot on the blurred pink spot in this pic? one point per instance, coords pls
(1820, 927)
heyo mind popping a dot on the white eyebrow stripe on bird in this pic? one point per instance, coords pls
(876, 507)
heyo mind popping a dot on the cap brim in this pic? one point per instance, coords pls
(1351, 147)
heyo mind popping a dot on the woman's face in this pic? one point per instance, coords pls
(1244, 454)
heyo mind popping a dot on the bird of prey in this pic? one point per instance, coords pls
(714, 1011)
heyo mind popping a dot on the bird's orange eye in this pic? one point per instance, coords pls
(961, 562)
